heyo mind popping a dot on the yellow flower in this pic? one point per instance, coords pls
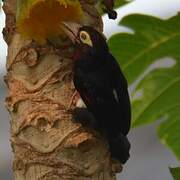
(40, 19)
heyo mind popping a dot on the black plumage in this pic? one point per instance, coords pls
(103, 88)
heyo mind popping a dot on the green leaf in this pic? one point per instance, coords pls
(155, 91)
(175, 173)
(119, 3)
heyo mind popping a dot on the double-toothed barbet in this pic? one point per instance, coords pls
(102, 86)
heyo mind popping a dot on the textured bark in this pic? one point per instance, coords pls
(47, 143)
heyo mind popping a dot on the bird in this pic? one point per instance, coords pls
(102, 86)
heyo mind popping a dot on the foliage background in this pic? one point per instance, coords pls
(149, 159)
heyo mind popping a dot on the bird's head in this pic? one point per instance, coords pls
(85, 37)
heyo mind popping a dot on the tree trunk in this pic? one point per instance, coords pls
(47, 143)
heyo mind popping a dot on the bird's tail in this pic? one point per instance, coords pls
(119, 147)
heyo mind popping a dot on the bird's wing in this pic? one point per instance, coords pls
(94, 93)
(121, 91)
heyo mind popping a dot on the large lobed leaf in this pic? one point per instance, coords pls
(150, 59)
(175, 173)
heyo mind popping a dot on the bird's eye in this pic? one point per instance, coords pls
(85, 38)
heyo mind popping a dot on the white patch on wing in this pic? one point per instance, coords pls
(115, 95)
(80, 103)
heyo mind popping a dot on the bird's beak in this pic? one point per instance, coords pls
(71, 29)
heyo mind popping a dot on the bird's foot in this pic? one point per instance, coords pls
(116, 166)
